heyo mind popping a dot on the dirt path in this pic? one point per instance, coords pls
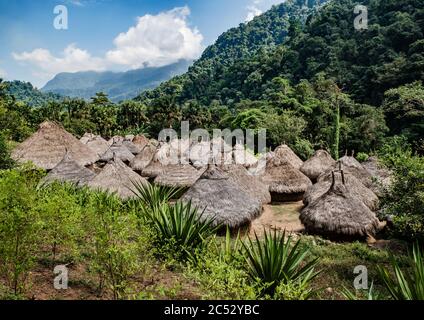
(279, 216)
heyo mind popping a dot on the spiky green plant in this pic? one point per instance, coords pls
(153, 196)
(181, 228)
(370, 294)
(406, 285)
(275, 260)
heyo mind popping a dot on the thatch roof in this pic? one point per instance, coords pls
(47, 147)
(143, 159)
(118, 178)
(157, 165)
(97, 144)
(200, 154)
(351, 165)
(140, 141)
(178, 149)
(87, 137)
(116, 140)
(69, 171)
(286, 183)
(222, 199)
(356, 188)
(180, 176)
(285, 154)
(337, 213)
(244, 157)
(247, 182)
(379, 173)
(319, 163)
(120, 151)
(134, 149)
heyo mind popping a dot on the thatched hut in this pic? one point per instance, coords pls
(140, 141)
(319, 163)
(87, 137)
(159, 162)
(339, 214)
(379, 173)
(244, 157)
(116, 140)
(97, 144)
(356, 188)
(285, 154)
(285, 182)
(134, 149)
(222, 200)
(350, 165)
(68, 170)
(247, 182)
(47, 147)
(143, 159)
(120, 151)
(116, 177)
(180, 176)
(200, 153)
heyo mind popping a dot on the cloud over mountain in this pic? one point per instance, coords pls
(155, 40)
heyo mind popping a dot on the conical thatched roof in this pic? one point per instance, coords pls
(97, 144)
(337, 213)
(356, 188)
(116, 140)
(285, 154)
(180, 176)
(178, 151)
(158, 164)
(143, 159)
(131, 147)
(200, 154)
(247, 182)
(140, 141)
(69, 171)
(117, 177)
(244, 157)
(319, 163)
(378, 172)
(120, 151)
(47, 147)
(87, 137)
(351, 165)
(286, 183)
(222, 199)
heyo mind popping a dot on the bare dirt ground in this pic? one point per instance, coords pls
(281, 216)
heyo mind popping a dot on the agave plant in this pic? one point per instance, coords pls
(275, 260)
(182, 227)
(370, 294)
(409, 285)
(153, 196)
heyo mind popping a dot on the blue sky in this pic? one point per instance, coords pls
(111, 34)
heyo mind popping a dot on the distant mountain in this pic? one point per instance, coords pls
(118, 85)
(26, 92)
(203, 81)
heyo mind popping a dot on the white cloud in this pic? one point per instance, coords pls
(252, 13)
(72, 59)
(3, 74)
(155, 40)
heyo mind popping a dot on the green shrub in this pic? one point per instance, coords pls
(20, 226)
(362, 157)
(61, 215)
(404, 199)
(180, 229)
(303, 148)
(6, 161)
(406, 285)
(114, 244)
(274, 261)
(153, 196)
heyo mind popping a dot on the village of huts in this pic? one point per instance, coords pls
(335, 198)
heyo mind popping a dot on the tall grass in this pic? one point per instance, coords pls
(406, 285)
